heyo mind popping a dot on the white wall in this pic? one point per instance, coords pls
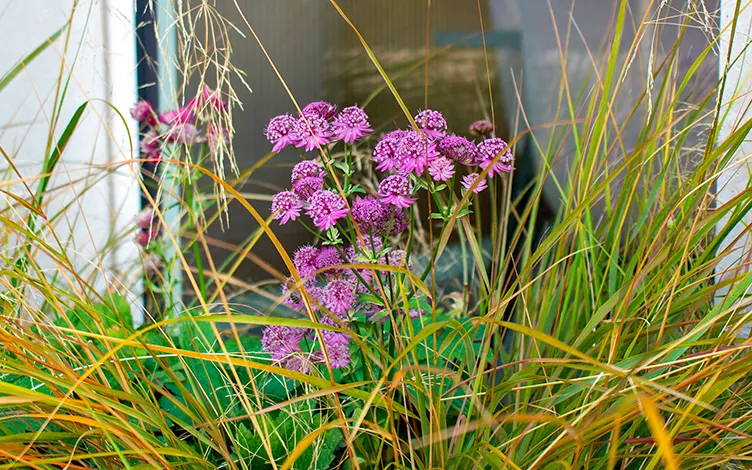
(100, 60)
(736, 99)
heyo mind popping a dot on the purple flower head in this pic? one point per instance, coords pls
(298, 363)
(182, 133)
(145, 219)
(400, 222)
(385, 152)
(145, 236)
(415, 153)
(431, 123)
(325, 207)
(281, 132)
(469, 180)
(281, 341)
(441, 169)
(154, 157)
(326, 257)
(396, 190)
(337, 347)
(396, 258)
(320, 108)
(306, 169)
(459, 149)
(416, 312)
(207, 98)
(306, 187)
(305, 260)
(182, 115)
(149, 142)
(489, 149)
(286, 206)
(338, 296)
(481, 128)
(351, 124)
(291, 295)
(369, 214)
(143, 112)
(313, 131)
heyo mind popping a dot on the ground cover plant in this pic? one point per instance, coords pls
(607, 338)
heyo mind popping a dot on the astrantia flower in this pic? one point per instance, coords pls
(431, 123)
(145, 219)
(305, 260)
(396, 190)
(469, 180)
(298, 363)
(396, 258)
(306, 169)
(338, 296)
(337, 349)
(369, 214)
(415, 153)
(400, 221)
(281, 341)
(459, 149)
(489, 149)
(281, 132)
(351, 124)
(154, 157)
(207, 98)
(149, 142)
(385, 151)
(325, 207)
(182, 133)
(326, 257)
(143, 112)
(182, 115)
(481, 128)
(441, 169)
(313, 131)
(286, 206)
(291, 294)
(416, 312)
(306, 187)
(146, 236)
(320, 108)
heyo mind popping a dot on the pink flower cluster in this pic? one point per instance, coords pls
(318, 125)
(407, 152)
(323, 206)
(333, 295)
(195, 122)
(333, 291)
(181, 125)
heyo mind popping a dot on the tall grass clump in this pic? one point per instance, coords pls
(609, 337)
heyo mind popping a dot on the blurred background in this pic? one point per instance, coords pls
(321, 58)
(530, 45)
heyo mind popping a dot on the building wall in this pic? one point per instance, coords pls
(94, 189)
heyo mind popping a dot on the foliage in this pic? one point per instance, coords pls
(609, 338)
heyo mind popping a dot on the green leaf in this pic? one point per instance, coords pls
(13, 72)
